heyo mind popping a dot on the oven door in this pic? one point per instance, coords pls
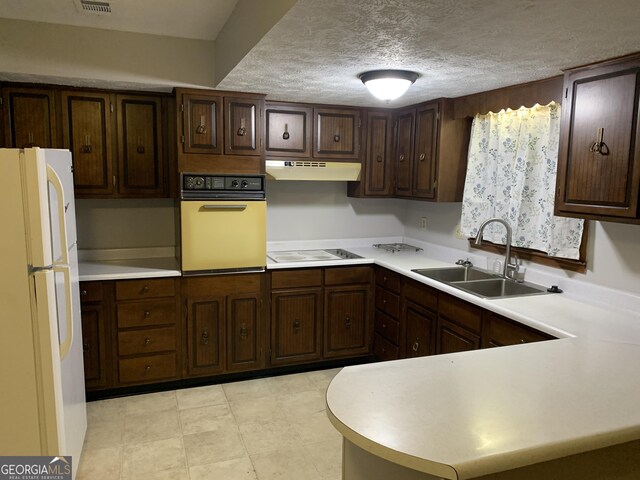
(223, 235)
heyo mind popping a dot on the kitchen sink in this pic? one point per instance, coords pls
(499, 288)
(454, 274)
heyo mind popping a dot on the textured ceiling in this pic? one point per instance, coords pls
(316, 51)
(196, 19)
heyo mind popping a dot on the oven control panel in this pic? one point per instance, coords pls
(196, 185)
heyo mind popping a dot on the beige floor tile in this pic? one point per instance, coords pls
(102, 410)
(322, 378)
(326, 457)
(285, 464)
(176, 473)
(141, 458)
(297, 382)
(151, 426)
(248, 389)
(264, 437)
(100, 463)
(203, 419)
(300, 405)
(257, 410)
(211, 447)
(315, 428)
(150, 402)
(104, 431)
(236, 469)
(201, 396)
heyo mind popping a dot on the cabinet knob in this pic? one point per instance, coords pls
(416, 346)
(384, 301)
(205, 337)
(522, 340)
(384, 325)
(145, 289)
(147, 368)
(296, 325)
(336, 138)
(402, 157)
(379, 158)
(384, 279)
(347, 321)
(285, 134)
(147, 341)
(84, 293)
(421, 157)
(243, 331)
(147, 314)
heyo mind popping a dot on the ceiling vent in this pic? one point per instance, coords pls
(93, 7)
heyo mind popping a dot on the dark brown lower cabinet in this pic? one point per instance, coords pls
(244, 335)
(420, 330)
(383, 349)
(459, 325)
(347, 317)
(498, 331)
(296, 328)
(454, 338)
(205, 335)
(94, 346)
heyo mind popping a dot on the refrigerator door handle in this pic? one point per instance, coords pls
(65, 345)
(52, 177)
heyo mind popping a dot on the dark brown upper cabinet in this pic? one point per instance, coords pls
(378, 171)
(288, 128)
(599, 157)
(140, 159)
(219, 132)
(431, 152)
(87, 126)
(336, 133)
(30, 117)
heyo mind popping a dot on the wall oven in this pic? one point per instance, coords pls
(223, 223)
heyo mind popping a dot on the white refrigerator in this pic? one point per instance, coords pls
(42, 400)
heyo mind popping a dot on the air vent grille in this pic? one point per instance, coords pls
(309, 164)
(93, 7)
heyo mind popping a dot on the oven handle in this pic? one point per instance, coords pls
(224, 207)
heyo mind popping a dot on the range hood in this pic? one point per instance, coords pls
(305, 170)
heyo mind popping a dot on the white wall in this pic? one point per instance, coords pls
(125, 223)
(613, 249)
(102, 58)
(308, 210)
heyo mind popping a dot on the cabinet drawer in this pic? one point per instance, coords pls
(420, 294)
(148, 368)
(388, 302)
(347, 275)
(91, 292)
(143, 314)
(383, 349)
(387, 327)
(148, 288)
(388, 279)
(296, 278)
(150, 340)
(501, 331)
(460, 312)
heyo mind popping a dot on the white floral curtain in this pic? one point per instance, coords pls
(511, 174)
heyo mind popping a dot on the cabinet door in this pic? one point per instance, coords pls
(94, 346)
(205, 335)
(346, 325)
(498, 331)
(288, 131)
(296, 328)
(336, 133)
(424, 157)
(419, 331)
(87, 132)
(602, 102)
(141, 165)
(244, 338)
(453, 338)
(242, 126)
(404, 153)
(29, 118)
(379, 181)
(201, 125)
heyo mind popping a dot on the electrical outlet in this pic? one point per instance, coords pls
(423, 223)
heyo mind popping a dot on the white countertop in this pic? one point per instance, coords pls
(469, 414)
(122, 264)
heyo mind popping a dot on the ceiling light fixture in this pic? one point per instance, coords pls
(388, 85)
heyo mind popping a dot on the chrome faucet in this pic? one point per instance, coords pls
(508, 266)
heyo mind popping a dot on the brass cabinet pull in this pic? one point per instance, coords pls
(416, 345)
(296, 325)
(147, 341)
(145, 289)
(243, 331)
(384, 301)
(402, 157)
(147, 314)
(336, 136)
(347, 321)
(147, 368)
(84, 293)
(421, 157)
(242, 130)
(599, 146)
(140, 148)
(202, 128)
(379, 158)
(86, 148)
(384, 325)
(205, 337)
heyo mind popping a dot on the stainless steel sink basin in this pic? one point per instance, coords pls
(454, 274)
(499, 288)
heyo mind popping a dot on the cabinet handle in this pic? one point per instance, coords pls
(86, 347)
(522, 340)
(296, 325)
(336, 137)
(140, 148)
(86, 148)
(379, 158)
(243, 331)
(285, 135)
(384, 279)
(402, 157)
(147, 368)
(202, 128)
(384, 325)
(147, 341)
(84, 293)
(421, 157)
(147, 314)
(347, 321)
(599, 146)
(416, 345)
(145, 289)
(384, 301)
(242, 130)
(30, 143)
(205, 337)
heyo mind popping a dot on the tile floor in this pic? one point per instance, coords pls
(264, 429)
